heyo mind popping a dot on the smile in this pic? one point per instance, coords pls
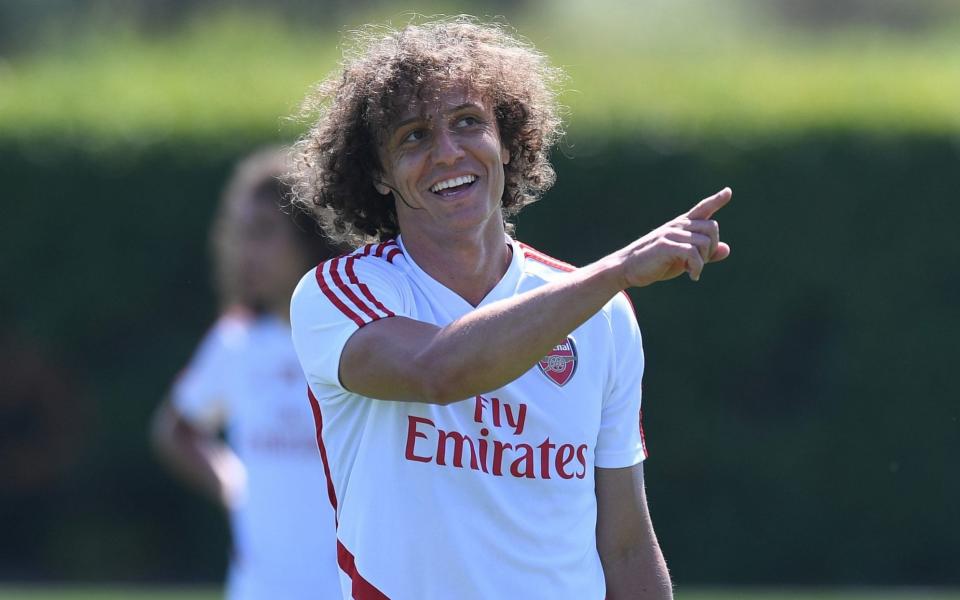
(453, 185)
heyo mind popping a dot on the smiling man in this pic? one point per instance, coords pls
(477, 403)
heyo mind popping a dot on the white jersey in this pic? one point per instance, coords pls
(245, 378)
(490, 497)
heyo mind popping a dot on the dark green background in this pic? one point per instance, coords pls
(800, 406)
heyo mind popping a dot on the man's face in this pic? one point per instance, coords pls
(269, 260)
(445, 158)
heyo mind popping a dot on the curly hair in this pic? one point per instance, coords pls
(337, 160)
(258, 178)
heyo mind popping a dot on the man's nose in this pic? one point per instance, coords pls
(447, 149)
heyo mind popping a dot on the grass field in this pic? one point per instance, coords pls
(159, 593)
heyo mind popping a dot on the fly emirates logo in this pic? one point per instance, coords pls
(428, 443)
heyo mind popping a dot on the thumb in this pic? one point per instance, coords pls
(706, 207)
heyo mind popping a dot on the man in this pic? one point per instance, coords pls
(245, 379)
(477, 402)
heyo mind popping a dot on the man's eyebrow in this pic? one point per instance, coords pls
(463, 106)
(401, 124)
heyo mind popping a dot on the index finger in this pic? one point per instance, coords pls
(706, 207)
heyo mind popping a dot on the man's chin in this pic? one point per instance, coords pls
(258, 306)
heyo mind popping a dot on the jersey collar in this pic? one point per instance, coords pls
(505, 288)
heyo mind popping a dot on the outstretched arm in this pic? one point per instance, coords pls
(403, 359)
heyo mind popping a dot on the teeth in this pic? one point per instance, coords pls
(449, 183)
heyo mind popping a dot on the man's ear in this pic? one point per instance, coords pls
(504, 155)
(381, 188)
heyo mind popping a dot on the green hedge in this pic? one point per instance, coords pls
(799, 404)
(798, 400)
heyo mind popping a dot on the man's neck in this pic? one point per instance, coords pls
(469, 265)
(280, 310)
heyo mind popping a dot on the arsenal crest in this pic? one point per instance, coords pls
(560, 363)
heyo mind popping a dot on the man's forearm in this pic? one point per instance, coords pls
(464, 359)
(641, 575)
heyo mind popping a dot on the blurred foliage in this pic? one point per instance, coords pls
(234, 76)
(662, 70)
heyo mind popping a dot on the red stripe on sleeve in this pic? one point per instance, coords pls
(392, 254)
(643, 439)
(352, 276)
(360, 589)
(540, 257)
(318, 421)
(383, 246)
(348, 292)
(321, 281)
(629, 301)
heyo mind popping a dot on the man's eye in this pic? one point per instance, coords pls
(467, 121)
(414, 136)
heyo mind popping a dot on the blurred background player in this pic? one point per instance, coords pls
(244, 380)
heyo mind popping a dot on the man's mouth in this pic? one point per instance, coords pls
(451, 186)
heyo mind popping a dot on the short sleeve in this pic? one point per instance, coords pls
(332, 302)
(620, 442)
(200, 393)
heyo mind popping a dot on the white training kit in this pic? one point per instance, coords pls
(245, 378)
(488, 497)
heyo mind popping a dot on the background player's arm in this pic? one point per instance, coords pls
(633, 564)
(196, 456)
(403, 359)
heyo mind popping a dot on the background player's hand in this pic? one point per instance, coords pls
(682, 245)
(231, 476)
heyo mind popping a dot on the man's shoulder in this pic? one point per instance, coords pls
(364, 285)
(384, 257)
(379, 260)
(542, 265)
(230, 331)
